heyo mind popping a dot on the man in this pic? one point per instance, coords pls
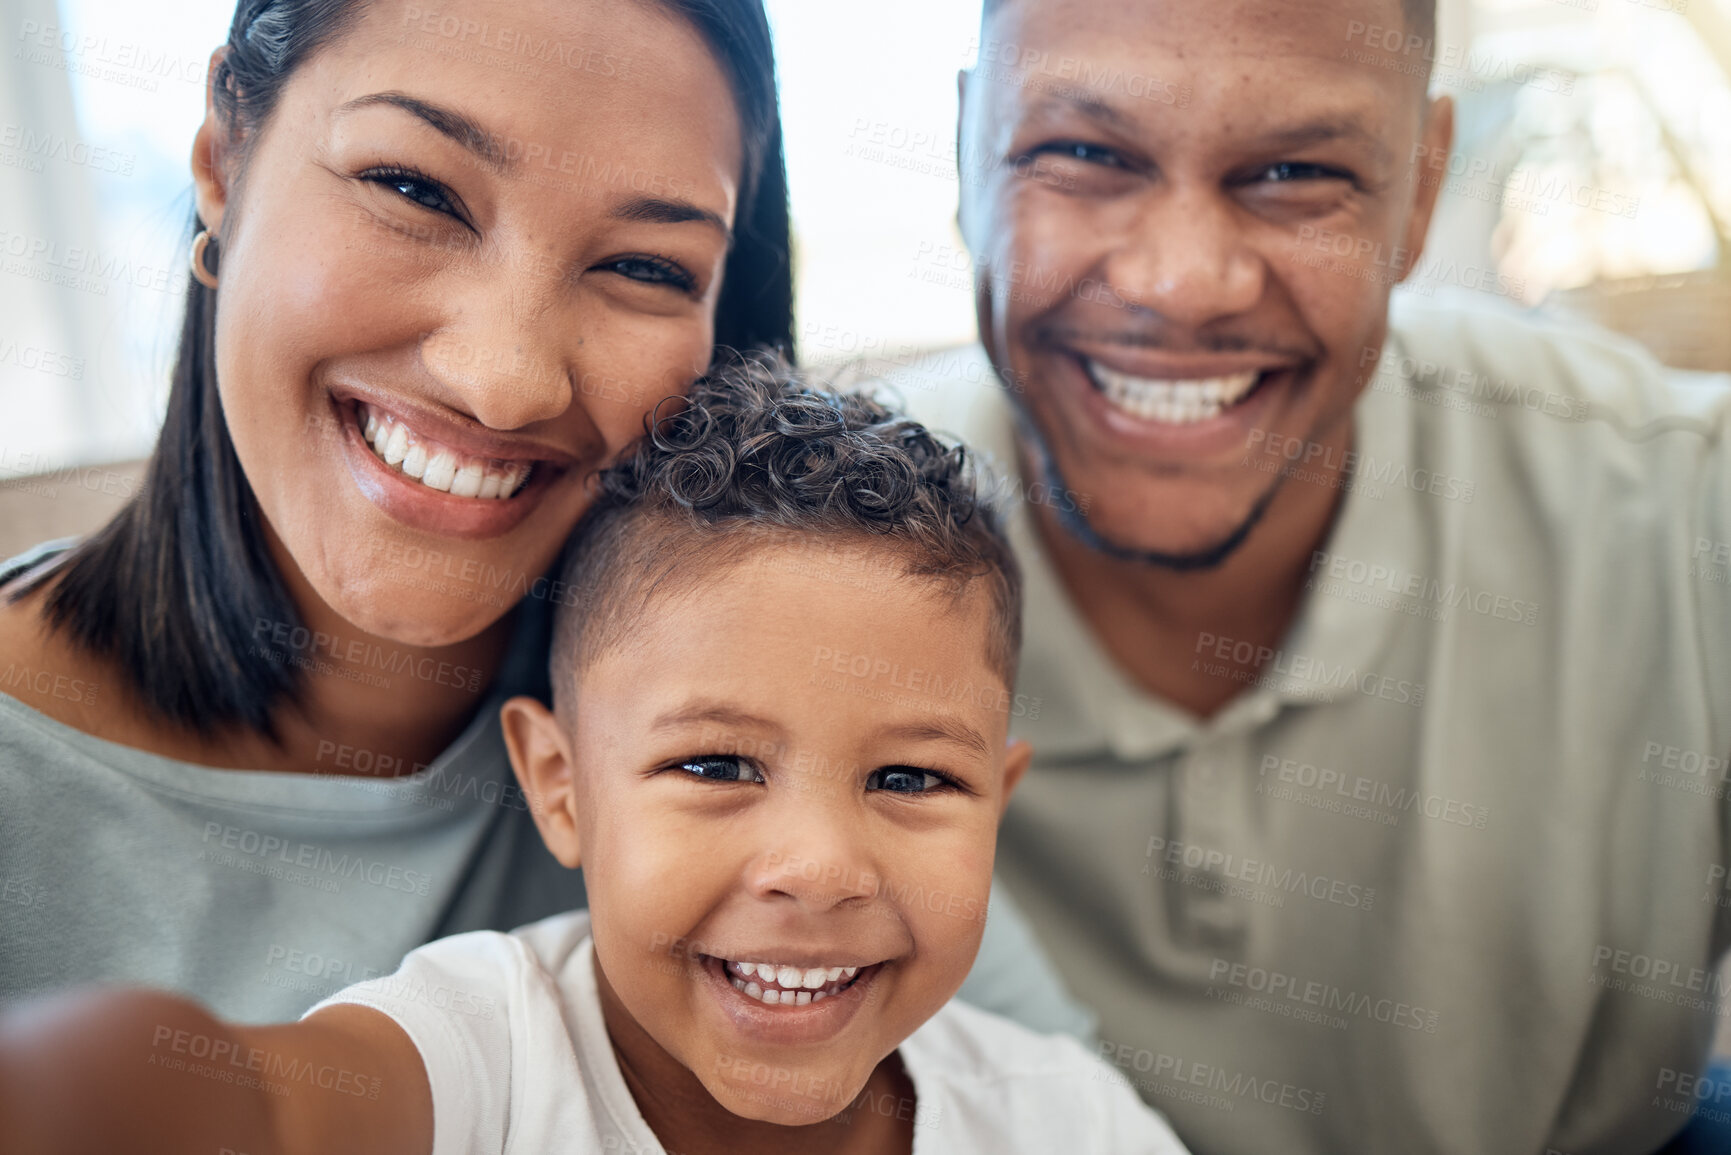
(1379, 668)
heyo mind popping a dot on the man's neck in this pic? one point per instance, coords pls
(1156, 622)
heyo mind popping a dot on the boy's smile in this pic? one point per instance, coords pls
(787, 871)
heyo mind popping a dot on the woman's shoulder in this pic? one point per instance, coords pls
(41, 669)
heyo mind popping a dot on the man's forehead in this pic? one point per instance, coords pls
(1253, 70)
(1180, 28)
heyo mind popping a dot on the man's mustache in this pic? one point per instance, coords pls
(1163, 339)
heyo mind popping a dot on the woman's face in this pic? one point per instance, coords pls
(471, 248)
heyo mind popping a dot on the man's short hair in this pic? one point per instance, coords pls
(756, 459)
(1420, 15)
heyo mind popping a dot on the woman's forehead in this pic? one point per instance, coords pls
(567, 93)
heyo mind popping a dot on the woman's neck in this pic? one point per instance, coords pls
(369, 706)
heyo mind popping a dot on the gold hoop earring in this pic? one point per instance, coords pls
(200, 271)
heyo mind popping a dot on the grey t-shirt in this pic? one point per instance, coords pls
(261, 893)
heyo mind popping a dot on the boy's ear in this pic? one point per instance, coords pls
(540, 751)
(1017, 759)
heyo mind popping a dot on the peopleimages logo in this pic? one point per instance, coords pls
(320, 859)
(1232, 867)
(1326, 996)
(1389, 799)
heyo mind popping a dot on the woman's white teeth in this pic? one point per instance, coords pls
(437, 467)
(788, 985)
(1171, 401)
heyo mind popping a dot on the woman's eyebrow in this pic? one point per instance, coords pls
(670, 211)
(460, 128)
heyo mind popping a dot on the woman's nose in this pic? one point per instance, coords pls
(506, 350)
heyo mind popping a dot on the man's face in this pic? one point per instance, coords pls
(788, 782)
(1187, 216)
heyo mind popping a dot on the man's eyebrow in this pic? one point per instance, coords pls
(1091, 107)
(1348, 129)
(451, 123)
(942, 729)
(670, 211)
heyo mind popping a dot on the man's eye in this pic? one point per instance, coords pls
(906, 780)
(423, 190)
(1287, 171)
(654, 271)
(722, 768)
(1082, 151)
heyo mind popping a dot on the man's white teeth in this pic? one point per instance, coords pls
(788, 985)
(1174, 402)
(437, 467)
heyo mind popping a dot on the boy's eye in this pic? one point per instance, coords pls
(906, 780)
(721, 768)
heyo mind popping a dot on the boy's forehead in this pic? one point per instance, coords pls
(777, 600)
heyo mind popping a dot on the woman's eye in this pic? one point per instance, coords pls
(654, 271)
(906, 780)
(424, 191)
(722, 768)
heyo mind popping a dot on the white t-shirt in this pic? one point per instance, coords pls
(518, 1059)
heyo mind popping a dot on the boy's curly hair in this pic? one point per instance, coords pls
(757, 458)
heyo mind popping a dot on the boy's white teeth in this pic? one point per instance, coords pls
(438, 467)
(1172, 401)
(788, 985)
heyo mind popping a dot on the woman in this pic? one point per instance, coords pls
(446, 262)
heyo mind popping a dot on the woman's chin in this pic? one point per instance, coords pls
(413, 616)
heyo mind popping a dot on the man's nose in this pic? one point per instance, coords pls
(1185, 257)
(505, 351)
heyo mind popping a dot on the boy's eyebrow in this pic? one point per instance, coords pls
(938, 729)
(941, 729)
(713, 713)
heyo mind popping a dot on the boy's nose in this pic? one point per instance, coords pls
(816, 873)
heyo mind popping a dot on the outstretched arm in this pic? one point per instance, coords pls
(146, 1072)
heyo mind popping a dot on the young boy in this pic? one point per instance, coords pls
(778, 749)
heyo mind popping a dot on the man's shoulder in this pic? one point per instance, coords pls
(1499, 358)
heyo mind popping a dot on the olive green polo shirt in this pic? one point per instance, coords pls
(1450, 874)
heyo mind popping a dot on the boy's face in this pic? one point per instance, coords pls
(798, 762)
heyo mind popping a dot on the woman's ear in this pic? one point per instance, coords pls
(211, 156)
(540, 751)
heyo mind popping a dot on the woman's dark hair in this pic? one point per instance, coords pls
(175, 588)
(758, 458)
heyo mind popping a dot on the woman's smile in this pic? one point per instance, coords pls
(423, 471)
